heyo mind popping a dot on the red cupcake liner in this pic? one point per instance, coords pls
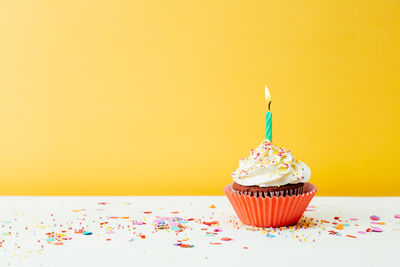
(270, 211)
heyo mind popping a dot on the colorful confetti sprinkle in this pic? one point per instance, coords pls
(374, 218)
(339, 227)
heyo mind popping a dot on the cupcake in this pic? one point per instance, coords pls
(270, 188)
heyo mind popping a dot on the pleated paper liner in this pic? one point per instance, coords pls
(267, 211)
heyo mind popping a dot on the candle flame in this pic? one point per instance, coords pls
(267, 95)
(268, 98)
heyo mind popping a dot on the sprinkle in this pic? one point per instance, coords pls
(226, 239)
(245, 248)
(331, 232)
(210, 223)
(376, 229)
(186, 246)
(339, 227)
(352, 236)
(215, 243)
(175, 228)
(87, 233)
(374, 218)
(212, 207)
(147, 212)
(397, 216)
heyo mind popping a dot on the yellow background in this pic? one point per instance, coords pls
(164, 97)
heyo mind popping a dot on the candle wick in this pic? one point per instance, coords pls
(269, 105)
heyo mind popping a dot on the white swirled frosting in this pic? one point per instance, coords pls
(269, 165)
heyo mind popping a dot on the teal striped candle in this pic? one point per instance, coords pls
(269, 126)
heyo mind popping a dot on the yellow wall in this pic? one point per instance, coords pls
(164, 97)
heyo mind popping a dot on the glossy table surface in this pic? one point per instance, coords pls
(193, 231)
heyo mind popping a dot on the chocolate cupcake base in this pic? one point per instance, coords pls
(270, 211)
(271, 191)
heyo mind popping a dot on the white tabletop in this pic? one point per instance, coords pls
(120, 241)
